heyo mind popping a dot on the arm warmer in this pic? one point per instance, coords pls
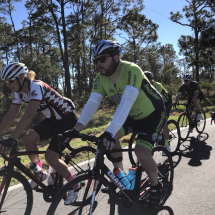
(90, 108)
(128, 98)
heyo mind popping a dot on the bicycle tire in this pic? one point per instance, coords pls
(174, 136)
(81, 165)
(17, 196)
(165, 175)
(130, 153)
(57, 206)
(202, 122)
(184, 125)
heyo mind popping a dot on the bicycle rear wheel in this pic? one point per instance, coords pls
(19, 197)
(165, 176)
(174, 135)
(184, 125)
(103, 203)
(200, 127)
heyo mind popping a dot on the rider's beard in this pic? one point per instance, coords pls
(109, 71)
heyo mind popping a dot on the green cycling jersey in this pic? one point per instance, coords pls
(158, 86)
(148, 98)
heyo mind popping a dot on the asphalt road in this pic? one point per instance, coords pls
(194, 180)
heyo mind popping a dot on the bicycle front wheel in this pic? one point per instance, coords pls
(81, 159)
(19, 197)
(174, 135)
(184, 125)
(103, 203)
(200, 127)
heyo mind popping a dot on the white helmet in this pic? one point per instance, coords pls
(13, 70)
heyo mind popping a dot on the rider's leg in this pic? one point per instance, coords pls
(144, 156)
(30, 141)
(118, 154)
(53, 160)
(197, 104)
(198, 108)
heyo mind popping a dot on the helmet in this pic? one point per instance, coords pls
(107, 47)
(187, 76)
(13, 70)
(148, 74)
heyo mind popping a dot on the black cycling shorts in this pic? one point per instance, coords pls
(49, 128)
(148, 128)
(200, 97)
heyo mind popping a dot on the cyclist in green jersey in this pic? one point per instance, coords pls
(140, 107)
(168, 104)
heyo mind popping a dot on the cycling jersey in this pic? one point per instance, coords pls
(158, 86)
(148, 98)
(189, 90)
(52, 104)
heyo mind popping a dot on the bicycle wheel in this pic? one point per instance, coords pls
(130, 153)
(174, 135)
(103, 203)
(81, 159)
(184, 125)
(19, 197)
(165, 176)
(200, 127)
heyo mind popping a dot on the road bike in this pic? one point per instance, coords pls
(91, 200)
(187, 121)
(15, 191)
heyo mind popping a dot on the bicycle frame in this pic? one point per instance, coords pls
(133, 195)
(14, 161)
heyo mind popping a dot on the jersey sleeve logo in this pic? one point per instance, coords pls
(33, 93)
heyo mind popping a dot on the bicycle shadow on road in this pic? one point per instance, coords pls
(196, 149)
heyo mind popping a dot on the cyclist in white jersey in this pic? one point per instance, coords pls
(59, 113)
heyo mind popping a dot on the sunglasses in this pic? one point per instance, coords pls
(10, 81)
(101, 59)
(186, 80)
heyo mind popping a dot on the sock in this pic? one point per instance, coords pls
(39, 163)
(70, 178)
(167, 142)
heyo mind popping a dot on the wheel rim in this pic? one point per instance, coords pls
(183, 122)
(174, 135)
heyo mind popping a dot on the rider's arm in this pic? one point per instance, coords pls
(89, 110)
(178, 95)
(128, 98)
(9, 117)
(196, 93)
(26, 119)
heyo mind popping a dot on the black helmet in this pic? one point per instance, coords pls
(187, 76)
(148, 74)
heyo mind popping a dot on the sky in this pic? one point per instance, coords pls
(156, 10)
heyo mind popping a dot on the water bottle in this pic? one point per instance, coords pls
(122, 177)
(51, 175)
(132, 176)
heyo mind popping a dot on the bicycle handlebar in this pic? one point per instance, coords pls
(99, 143)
